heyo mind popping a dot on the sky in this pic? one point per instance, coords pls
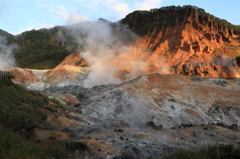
(17, 16)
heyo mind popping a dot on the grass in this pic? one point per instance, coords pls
(19, 108)
(14, 146)
(53, 135)
(232, 50)
(208, 152)
(21, 111)
(218, 52)
(52, 109)
(47, 64)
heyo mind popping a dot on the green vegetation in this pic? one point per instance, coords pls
(51, 108)
(45, 64)
(208, 152)
(170, 16)
(228, 49)
(21, 111)
(41, 49)
(19, 108)
(218, 52)
(232, 50)
(9, 37)
(53, 135)
(14, 146)
(38, 50)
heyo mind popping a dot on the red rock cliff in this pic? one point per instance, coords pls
(192, 41)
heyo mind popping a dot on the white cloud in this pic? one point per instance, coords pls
(69, 15)
(61, 7)
(148, 4)
(109, 2)
(72, 18)
(101, 2)
(38, 26)
(43, 25)
(117, 9)
(122, 8)
(22, 30)
(126, 8)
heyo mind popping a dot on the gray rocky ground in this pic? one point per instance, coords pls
(151, 116)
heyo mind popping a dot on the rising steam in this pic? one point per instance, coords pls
(108, 49)
(6, 57)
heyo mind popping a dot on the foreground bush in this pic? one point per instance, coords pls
(19, 108)
(21, 111)
(209, 152)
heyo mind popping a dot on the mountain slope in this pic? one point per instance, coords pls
(187, 39)
(190, 39)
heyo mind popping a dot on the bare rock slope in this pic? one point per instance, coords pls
(150, 116)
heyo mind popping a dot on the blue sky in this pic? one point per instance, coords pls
(17, 16)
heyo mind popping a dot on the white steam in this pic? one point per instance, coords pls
(107, 48)
(6, 58)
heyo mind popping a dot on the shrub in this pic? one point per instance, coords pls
(56, 101)
(52, 109)
(14, 146)
(207, 152)
(52, 135)
(19, 108)
(20, 113)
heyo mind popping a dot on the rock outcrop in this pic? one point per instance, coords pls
(61, 75)
(74, 59)
(186, 36)
(58, 38)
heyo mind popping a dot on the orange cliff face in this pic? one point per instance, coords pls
(74, 59)
(197, 45)
(191, 41)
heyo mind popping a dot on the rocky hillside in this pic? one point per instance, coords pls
(192, 41)
(151, 116)
(146, 117)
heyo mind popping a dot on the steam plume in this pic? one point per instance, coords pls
(6, 57)
(107, 48)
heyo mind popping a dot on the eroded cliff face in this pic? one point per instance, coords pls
(189, 40)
